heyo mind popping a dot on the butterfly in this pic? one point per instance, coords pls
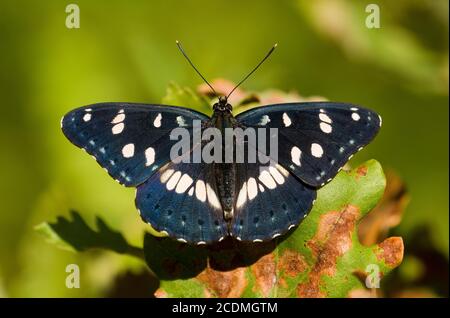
(205, 202)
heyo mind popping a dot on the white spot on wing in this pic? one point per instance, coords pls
(264, 120)
(200, 190)
(242, 196)
(128, 150)
(118, 128)
(157, 121)
(166, 175)
(87, 117)
(191, 192)
(149, 156)
(252, 188)
(118, 119)
(355, 116)
(316, 150)
(286, 120)
(276, 175)
(181, 122)
(295, 155)
(326, 128)
(266, 178)
(184, 183)
(325, 118)
(171, 184)
(212, 197)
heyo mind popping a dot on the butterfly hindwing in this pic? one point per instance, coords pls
(181, 199)
(131, 141)
(315, 139)
(270, 201)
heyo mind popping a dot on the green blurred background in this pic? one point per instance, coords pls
(125, 51)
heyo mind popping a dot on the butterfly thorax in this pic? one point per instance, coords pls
(225, 173)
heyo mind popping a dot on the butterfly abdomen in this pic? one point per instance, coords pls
(225, 172)
(225, 175)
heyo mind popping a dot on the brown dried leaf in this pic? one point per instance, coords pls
(374, 227)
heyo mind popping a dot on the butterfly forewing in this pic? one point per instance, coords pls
(131, 141)
(316, 139)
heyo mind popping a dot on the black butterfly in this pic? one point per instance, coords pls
(203, 203)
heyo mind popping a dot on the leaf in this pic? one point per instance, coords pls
(76, 235)
(387, 214)
(321, 258)
(243, 100)
(185, 97)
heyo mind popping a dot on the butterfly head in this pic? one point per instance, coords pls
(222, 105)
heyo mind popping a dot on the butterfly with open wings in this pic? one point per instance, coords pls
(203, 203)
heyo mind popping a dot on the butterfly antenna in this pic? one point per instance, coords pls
(256, 67)
(193, 66)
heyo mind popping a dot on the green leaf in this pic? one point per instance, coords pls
(321, 258)
(185, 97)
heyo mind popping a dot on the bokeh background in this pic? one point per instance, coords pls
(125, 51)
